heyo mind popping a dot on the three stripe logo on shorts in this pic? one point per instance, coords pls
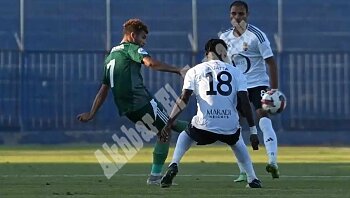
(162, 115)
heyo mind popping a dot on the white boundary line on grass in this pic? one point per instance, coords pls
(199, 175)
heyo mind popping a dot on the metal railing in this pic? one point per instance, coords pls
(45, 90)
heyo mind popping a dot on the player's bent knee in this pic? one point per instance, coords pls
(261, 113)
(264, 123)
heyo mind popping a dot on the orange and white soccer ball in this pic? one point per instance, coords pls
(274, 102)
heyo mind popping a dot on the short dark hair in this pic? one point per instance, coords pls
(134, 25)
(211, 45)
(239, 3)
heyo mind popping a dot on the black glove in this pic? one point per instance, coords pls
(254, 141)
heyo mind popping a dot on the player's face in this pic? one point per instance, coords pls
(140, 38)
(238, 14)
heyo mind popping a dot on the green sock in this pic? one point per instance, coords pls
(160, 153)
(180, 126)
(156, 169)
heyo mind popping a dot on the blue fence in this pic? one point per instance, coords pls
(46, 90)
(81, 24)
(317, 86)
(57, 75)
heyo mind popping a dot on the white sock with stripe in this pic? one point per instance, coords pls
(270, 139)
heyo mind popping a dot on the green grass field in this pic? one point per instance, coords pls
(207, 171)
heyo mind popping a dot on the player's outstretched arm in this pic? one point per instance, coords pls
(179, 106)
(160, 66)
(247, 112)
(273, 72)
(99, 100)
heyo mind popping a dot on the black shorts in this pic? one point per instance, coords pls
(203, 137)
(255, 96)
(160, 121)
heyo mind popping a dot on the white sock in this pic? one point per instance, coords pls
(241, 152)
(183, 143)
(270, 139)
(240, 166)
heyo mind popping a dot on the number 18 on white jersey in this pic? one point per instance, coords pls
(215, 85)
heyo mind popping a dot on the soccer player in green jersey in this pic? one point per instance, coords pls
(122, 75)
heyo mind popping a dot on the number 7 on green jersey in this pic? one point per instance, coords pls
(110, 68)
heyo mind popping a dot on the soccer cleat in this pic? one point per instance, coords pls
(167, 179)
(154, 179)
(241, 178)
(271, 168)
(254, 184)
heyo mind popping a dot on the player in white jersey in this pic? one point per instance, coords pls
(249, 50)
(216, 85)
